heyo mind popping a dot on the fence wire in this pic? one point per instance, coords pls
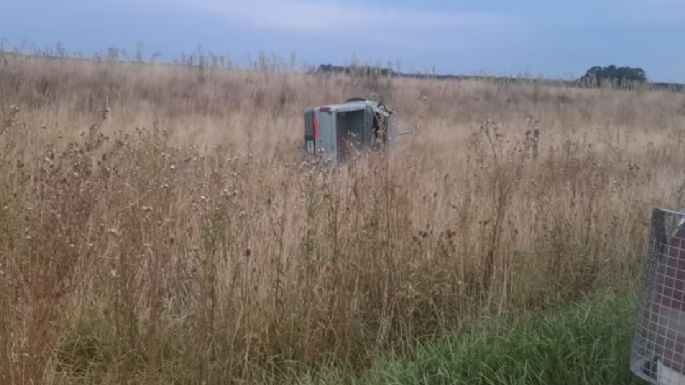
(658, 353)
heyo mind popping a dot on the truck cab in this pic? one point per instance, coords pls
(335, 133)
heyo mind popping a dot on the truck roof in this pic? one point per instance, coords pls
(350, 105)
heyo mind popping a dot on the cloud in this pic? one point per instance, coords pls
(337, 19)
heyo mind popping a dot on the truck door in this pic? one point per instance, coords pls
(311, 131)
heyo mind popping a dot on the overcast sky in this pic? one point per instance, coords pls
(501, 37)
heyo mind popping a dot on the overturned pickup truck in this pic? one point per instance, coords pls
(335, 133)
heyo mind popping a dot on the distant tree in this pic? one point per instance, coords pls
(619, 76)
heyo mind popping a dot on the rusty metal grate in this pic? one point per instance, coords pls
(658, 353)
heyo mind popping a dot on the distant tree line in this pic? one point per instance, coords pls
(382, 71)
(612, 75)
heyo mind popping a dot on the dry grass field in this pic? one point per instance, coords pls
(158, 225)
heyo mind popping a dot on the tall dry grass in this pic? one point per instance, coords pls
(158, 225)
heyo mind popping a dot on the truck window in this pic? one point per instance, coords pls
(350, 132)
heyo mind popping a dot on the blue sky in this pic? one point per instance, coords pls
(501, 37)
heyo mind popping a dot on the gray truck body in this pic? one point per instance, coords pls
(335, 133)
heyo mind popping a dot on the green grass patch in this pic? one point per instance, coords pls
(586, 343)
